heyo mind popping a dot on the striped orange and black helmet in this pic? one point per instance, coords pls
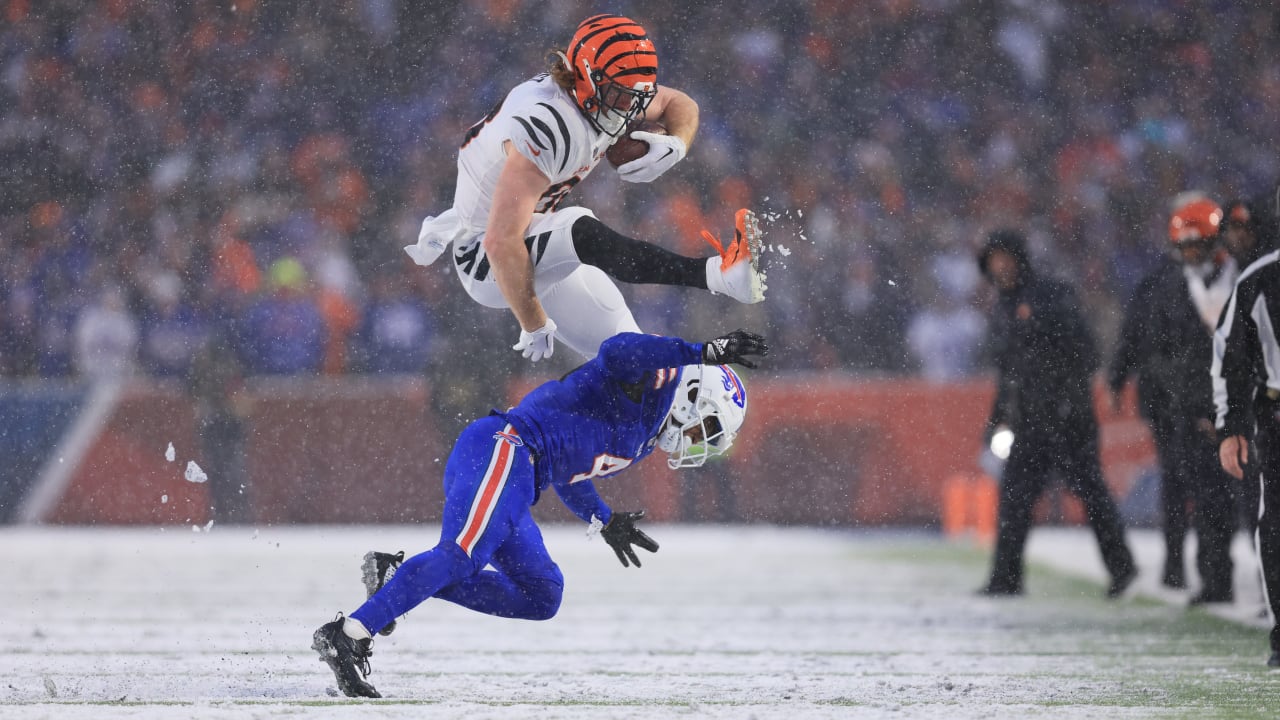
(1195, 221)
(615, 71)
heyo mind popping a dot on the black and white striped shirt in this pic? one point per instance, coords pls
(1246, 350)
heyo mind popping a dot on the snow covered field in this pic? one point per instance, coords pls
(724, 622)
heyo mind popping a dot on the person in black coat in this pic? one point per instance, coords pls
(1249, 231)
(1135, 355)
(1186, 308)
(1246, 393)
(1045, 357)
(216, 383)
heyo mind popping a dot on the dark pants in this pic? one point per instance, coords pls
(1174, 493)
(222, 445)
(1249, 497)
(1074, 454)
(1269, 521)
(1215, 514)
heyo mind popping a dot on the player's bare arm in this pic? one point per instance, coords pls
(520, 184)
(677, 111)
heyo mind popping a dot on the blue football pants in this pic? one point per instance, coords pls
(489, 489)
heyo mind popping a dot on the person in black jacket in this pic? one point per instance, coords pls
(1134, 355)
(1246, 394)
(1046, 357)
(1186, 311)
(1249, 232)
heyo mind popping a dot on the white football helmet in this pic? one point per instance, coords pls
(711, 398)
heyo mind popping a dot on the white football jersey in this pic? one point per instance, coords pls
(544, 124)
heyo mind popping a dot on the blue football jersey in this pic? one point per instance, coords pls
(602, 417)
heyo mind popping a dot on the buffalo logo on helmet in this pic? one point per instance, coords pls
(733, 385)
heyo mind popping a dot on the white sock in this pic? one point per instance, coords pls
(715, 278)
(355, 629)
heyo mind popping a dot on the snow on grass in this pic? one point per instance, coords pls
(724, 622)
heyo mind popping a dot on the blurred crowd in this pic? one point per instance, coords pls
(246, 172)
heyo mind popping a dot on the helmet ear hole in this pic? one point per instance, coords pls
(714, 430)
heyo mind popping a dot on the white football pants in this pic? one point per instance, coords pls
(584, 302)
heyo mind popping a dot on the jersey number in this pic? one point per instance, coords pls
(604, 465)
(550, 199)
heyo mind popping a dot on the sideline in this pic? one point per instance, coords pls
(62, 463)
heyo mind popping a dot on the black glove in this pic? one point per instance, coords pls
(621, 533)
(734, 348)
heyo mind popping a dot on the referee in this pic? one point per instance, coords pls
(1246, 391)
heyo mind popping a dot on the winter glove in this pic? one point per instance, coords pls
(621, 533)
(734, 348)
(664, 151)
(540, 343)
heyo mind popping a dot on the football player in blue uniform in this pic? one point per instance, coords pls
(638, 393)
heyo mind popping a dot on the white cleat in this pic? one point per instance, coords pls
(736, 272)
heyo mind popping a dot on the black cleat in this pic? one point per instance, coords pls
(1274, 660)
(999, 590)
(347, 658)
(1121, 582)
(375, 571)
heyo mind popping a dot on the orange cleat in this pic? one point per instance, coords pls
(737, 274)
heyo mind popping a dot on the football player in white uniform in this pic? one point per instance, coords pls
(515, 247)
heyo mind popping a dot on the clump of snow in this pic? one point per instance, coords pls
(170, 453)
(194, 473)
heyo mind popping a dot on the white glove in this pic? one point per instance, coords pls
(540, 343)
(664, 151)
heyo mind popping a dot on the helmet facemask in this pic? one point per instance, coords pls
(706, 413)
(613, 106)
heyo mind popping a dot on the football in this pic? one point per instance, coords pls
(624, 150)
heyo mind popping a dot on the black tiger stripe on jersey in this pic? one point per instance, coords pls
(546, 130)
(532, 134)
(537, 128)
(474, 130)
(564, 133)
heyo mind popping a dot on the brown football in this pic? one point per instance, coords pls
(625, 149)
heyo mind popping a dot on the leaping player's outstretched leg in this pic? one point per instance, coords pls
(734, 272)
